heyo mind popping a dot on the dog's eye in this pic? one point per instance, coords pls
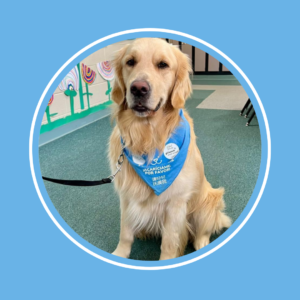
(162, 65)
(130, 62)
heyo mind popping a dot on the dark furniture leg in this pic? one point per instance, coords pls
(250, 119)
(248, 111)
(245, 106)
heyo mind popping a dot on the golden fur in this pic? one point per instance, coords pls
(190, 207)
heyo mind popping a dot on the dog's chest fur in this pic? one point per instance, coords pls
(145, 211)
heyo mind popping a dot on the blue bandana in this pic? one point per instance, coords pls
(163, 170)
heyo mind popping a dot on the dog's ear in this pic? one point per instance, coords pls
(182, 87)
(118, 91)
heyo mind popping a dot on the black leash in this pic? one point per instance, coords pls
(79, 182)
(109, 179)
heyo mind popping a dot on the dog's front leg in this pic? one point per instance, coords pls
(126, 235)
(175, 233)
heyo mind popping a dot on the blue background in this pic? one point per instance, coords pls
(39, 262)
(93, 248)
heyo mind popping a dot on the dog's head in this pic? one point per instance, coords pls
(149, 74)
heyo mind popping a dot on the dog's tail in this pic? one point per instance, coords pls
(209, 211)
(214, 206)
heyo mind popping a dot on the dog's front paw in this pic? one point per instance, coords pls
(121, 253)
(165, 257)
(201, 242)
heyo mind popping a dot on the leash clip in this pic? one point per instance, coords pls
(118, 165)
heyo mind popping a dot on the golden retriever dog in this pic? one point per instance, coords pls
(151, 85)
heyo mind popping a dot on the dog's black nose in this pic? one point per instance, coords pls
(140, 89)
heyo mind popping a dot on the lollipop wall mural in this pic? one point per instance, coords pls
(89, 77)
(70, 85)
(106, 70)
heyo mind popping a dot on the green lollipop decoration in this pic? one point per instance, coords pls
(69, 85)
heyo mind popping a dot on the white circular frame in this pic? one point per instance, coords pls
(155, 267)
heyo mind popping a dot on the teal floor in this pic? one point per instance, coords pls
(214, 80)
(230, 150)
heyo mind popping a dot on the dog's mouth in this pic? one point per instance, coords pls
(142, 109)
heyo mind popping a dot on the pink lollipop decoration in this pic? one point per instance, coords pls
(48, 115)
(106, 70)
(51, 100)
